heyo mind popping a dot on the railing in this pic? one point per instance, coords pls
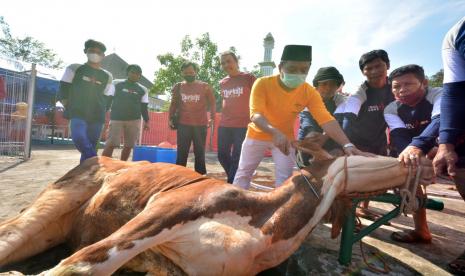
(16, 114)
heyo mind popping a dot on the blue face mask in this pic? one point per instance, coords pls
(293, 80)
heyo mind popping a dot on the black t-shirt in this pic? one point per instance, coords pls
(369, 128)
(127, 100)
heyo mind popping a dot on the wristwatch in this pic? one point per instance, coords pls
(348, 145)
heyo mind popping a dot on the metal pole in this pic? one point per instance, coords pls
(30, 103)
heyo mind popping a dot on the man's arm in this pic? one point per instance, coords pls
(279, 139)
(212, 103)
(453, 99)
(257, 105)
(66, 83)
(144, 102)
(327, 122)
(352, 107)
(427, 139)
(175, 99)
(334, 131)
(399, 134)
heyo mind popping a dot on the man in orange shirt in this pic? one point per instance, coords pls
(275, 102)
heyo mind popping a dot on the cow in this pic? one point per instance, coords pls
(166, 219)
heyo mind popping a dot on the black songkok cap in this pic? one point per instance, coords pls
(297, 53)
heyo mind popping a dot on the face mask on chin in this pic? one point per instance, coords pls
(293, 80)
(411, 99)
(94, 58)
(189, 78)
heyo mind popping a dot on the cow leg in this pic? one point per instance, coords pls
(46, 222)
(145, 231)
(154, 263)
(53, 234)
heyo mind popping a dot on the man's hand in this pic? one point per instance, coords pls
(171, 124)
(445, 158)
(281, 142)
(146, 126)
(410, 156)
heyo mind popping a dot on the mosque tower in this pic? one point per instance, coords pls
(267, 65)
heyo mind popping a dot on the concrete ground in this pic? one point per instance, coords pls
(20, 184)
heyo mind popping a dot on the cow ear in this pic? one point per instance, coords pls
(339, 212)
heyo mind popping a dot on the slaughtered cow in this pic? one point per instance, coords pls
(169, 220)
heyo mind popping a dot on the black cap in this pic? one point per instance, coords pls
(297, 53)
(90, 43)
(328, 73)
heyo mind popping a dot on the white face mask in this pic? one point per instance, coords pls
(293, 80)
(94, 58)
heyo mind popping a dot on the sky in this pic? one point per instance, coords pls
(339, 31)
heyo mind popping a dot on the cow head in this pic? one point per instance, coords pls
(318, 168)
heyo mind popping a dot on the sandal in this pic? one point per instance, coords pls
(457, 266)
(409, 237)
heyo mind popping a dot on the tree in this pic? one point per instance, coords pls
(437, 79)
(27, 49)
(201, 50)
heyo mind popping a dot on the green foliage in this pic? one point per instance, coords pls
(27, 49)
(437, 79)
(201, 50)
(204, 52)
(255, 71)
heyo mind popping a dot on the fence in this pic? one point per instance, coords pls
(16, 104)
(158, 131)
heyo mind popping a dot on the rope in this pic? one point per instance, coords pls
(364, 195)
(377, 255)
(409, 203)
(346, 174)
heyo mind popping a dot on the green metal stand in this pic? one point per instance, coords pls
(348, 238)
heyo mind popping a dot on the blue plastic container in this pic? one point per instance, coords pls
(154, 154)
(144, 153)
(166, 155)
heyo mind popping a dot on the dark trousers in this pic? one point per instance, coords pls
(229, 149)
(187, 135)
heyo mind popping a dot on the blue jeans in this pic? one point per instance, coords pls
(229, 149)
(305, 123)
(85, 136)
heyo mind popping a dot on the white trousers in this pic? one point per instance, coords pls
(252, 154)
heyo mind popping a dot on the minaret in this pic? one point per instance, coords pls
(267, 66)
